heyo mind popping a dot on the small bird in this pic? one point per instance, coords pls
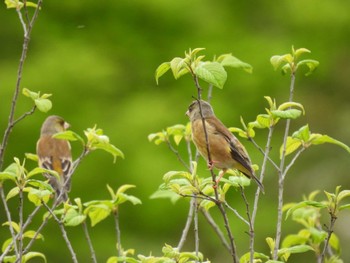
(55, 154)
(226, 151)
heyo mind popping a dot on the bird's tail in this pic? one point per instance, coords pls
(261, 186)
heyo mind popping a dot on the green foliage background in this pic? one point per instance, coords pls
(98, 59)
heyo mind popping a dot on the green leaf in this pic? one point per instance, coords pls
(310, 63)
(292, 240)
(227, 60)
(69, 136)
(291, 104)
(37, 196)
(246, 257)
(317, 139)
(124, 188)
(158, 137)
(305, 204)
(26, 92)
(97, 213)
(240, 132)
(14, 225)
(271, 243)
(161, 70)
(286, 114)
(166, 194)
(12, 193)
(73, 218)
(44, 105)
(178, 67)
(277, 60)
(343, 194)
(124, 197)
(303, 133)
(263, 120)
(212, 72)
(171, 174)
(292, 145)
(300, 51)
(294, 250)
(30, 255)
(31, 234)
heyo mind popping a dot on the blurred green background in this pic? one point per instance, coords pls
(98, 59)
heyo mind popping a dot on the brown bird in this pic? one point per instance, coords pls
(226, 151)
(55, 154)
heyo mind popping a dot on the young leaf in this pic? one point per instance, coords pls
(30, 255)
(166, 194)
(97, 213)
(300, 51)
(30, 94)
(286, 114)
(305, 204)
(303, 133)
(161, 70)
(73, 218)
(292, 145)
(69, 136)
(44, 105)
(212, 72)
(317, 139)
(310, 63)
(227, 60)
(178, 67)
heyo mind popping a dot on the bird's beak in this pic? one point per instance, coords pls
(188, 113)
(66, 125)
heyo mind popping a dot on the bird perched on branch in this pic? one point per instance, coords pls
(55, 154)
(226, 151)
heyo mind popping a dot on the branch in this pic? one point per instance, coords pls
(216, 228)
(88, 239)
(330, 232)
(257, 193)
(9, 220)
(177, 155)
(266, 151)
(187, 225)
(27, 32)
(64, 233)
(281, 176)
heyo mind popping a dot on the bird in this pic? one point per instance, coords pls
(226, 151)
(55, 154)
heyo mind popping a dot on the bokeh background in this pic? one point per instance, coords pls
(98, 59)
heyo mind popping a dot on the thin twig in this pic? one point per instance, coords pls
(177, 155)
(64, 233)
(88, 239)
(281, 175)
(20, 241)
(251, 226)
(263, 152)
(196, 229)
(257, 193)
(25, 225)
(236, 213)
(216, 228)
(9, 219)
(330, 232)
(27, 32)
(293, 161)
(117, 233)
(219, 204)
(187, 225)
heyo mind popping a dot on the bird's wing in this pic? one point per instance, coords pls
(237, 150)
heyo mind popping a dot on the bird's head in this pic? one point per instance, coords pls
(54, 124)
(193, 111)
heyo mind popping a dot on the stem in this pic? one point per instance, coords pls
(196, 235)
(281, 175)
(216, 228)
(20, 239)
(251, 226)
(88, 239)
(177, 155)
(9, 220)
(330, 232)
(117, 232)
(27, 32)
(64, 233)
(26, 224)
(219, 204)
(257, 193)
(187, 225)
